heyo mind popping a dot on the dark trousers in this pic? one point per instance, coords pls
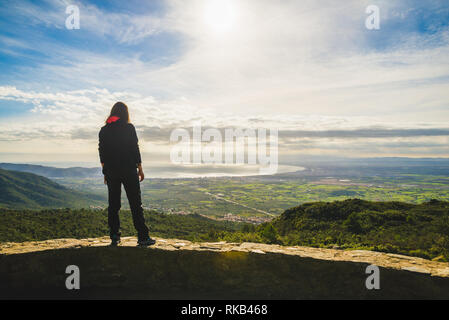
(132, 189)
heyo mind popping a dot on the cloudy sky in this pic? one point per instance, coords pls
(309, 68)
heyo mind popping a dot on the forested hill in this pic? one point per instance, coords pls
(396, 227)
(52, 172)
(28, 190)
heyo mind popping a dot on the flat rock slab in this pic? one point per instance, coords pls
(386, 260)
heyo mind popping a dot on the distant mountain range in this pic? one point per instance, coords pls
(28, 190)
(52, 172)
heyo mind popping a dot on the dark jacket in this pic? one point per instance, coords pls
(119, 149)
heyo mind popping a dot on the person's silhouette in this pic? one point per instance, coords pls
(121, 162)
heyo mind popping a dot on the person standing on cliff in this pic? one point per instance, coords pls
(121, 164)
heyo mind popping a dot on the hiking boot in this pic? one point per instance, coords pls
(115, 239)
(146, 242)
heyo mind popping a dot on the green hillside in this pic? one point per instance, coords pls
(396, 227)
(25, 225)
(27, 190)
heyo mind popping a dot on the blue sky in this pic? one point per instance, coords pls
(299, 66)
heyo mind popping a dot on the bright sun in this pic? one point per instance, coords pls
(220, 15)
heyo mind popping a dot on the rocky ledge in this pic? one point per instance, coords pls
(386, 260)
(176, 268)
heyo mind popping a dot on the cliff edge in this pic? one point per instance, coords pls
(180, 269)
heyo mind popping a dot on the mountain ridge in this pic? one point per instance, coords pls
(23, 190)
(53, 172)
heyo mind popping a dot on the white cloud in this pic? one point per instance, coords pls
(69, 122)
(124, 27)
(302, 65)
(298, 58)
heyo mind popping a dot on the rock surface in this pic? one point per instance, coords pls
(180, 269)
(386, 260)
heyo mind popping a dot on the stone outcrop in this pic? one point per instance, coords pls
(182, 269)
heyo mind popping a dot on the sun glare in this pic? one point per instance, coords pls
(220, 15)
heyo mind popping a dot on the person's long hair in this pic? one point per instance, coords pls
(120, 110)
